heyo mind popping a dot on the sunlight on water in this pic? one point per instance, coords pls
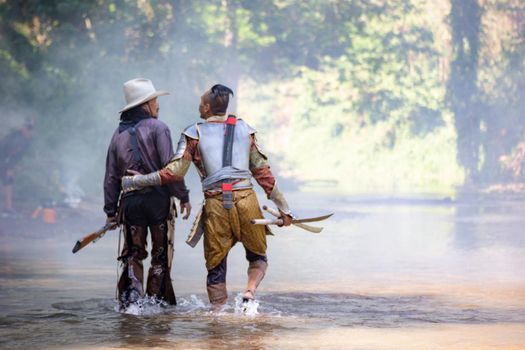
(404, 275)
(195, 305)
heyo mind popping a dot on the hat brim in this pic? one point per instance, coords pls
(144, 100)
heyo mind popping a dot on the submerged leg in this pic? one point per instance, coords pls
(130, 285)
(256, 271)
(216, 285)
(159, 280)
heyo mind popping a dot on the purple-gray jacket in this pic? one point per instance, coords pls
(156, 150)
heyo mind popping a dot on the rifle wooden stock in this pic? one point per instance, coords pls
(81, 243)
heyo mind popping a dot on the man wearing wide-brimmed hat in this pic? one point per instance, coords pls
(142, 144)
(227, 157)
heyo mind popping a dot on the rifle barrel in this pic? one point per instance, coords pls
(77, 247)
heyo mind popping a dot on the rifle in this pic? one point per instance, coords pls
(94, 236)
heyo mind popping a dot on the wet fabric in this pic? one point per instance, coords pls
(218, 273)
(131, 281)
(130, 284)
(143, 210)
(217, 293)
(159, 280)
(223, 228)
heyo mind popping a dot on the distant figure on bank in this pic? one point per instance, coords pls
(230, 201)
(12, 148)
(142, 143)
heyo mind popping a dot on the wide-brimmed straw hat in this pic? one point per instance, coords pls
(139, 91)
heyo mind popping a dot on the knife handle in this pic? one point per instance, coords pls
(267, 221)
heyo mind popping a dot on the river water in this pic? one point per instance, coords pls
(386, 273)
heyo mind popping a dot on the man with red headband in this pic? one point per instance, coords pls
(230, 202)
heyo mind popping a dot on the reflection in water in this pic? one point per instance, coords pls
(399, 268)
(94, 321)
(481, 223)
(193, 325)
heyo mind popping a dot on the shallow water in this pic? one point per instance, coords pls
(385, 273)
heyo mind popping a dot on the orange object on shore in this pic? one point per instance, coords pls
(49, 215)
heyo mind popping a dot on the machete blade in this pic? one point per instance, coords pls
(318, 218)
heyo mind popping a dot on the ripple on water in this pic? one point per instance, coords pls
(157, 324)
(384, 311)
(343, 309)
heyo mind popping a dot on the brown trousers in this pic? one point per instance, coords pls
(130, 285)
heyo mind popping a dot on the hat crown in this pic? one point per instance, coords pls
(138, 89)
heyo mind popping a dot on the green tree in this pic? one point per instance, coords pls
(462, 86)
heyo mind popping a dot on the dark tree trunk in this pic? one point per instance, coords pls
(462, 88)
(232, 68)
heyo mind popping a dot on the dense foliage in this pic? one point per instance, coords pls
(366, 94)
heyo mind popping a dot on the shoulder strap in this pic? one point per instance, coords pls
(134, 144)
(229, 135)
(227, 150)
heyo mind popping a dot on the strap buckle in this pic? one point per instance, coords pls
(227, 195)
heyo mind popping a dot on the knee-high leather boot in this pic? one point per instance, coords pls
(159, 280)
(130, 285)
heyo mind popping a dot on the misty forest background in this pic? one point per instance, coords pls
(348, 95)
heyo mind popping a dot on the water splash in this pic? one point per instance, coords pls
(192, 304)
(148, 305)
(248, 308)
